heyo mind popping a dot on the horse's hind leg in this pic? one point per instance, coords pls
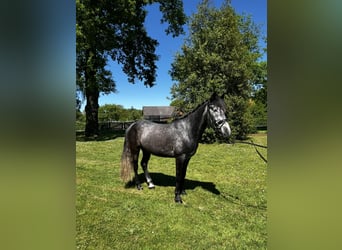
(135, 165)
(144, 161)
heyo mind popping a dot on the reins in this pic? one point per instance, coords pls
(255, 147)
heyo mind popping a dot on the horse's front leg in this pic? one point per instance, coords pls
(181, 166)
(184, 168)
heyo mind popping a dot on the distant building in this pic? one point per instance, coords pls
(158, 113)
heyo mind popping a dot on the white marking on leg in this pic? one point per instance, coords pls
(150, 184)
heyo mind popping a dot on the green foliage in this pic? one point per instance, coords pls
(259, 93)
(259, 113)
(113, 112)
(208, 136)
(226, 205)
(115, 29)
(110, 112)
(239, 116)
(258, 105)
(80, 121)
(219, 55)
(80, 117)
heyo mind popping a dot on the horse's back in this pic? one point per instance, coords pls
(156, 138)
(148, 130)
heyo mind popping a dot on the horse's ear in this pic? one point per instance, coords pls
(222, 96)
(213, 96)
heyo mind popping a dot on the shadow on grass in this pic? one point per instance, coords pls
(163, 180)
(103, 135)
(236, 200)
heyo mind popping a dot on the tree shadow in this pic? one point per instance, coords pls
(103, 135)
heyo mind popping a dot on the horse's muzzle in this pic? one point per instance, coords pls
(225, 129)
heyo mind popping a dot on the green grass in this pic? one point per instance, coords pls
(225, 207)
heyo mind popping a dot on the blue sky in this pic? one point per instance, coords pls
(137, 95)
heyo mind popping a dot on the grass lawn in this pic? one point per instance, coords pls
(225, 207)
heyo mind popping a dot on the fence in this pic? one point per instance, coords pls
(261, 127)
(121, 126)
(114, 125)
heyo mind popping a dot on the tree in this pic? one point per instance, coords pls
(114, 112)
(110, 112)
(259, 95)
(115, 30)
(219, 55)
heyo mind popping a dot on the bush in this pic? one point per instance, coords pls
(259, 114)
(239, 117)
(80, 121)
(208, 136)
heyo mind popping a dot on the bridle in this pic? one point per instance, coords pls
(216, 124)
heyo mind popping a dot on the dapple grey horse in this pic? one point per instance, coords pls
(178, 139)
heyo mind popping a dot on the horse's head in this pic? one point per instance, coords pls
(217, 116)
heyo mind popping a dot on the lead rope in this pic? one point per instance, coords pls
(255, 147)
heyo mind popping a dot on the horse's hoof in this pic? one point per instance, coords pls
(178, 200)
(139, 187)
(151, 186)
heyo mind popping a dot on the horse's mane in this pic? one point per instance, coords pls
(189, 113)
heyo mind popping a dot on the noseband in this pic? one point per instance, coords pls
(219, 124)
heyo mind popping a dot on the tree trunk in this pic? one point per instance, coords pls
(92, 96)
(91, 109)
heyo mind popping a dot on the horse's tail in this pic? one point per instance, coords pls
(127, 159)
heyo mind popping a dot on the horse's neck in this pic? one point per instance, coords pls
(198, 121)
